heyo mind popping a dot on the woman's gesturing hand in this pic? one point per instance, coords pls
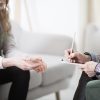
(38, 64)
(26, 63)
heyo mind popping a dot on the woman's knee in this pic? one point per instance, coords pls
(20, 75)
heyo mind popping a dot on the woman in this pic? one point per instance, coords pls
(90, 66)
(14, 69)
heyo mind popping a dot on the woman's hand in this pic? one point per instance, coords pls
(26, 63)
(32, 60)
(89, 68)
(76, 57)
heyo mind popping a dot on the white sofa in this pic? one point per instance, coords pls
(51, 48)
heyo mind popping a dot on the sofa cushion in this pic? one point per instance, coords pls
(56, 70)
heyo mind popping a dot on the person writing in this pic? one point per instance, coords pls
(14, 69)
(90, 66)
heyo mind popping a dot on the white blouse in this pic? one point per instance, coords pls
(1, 66)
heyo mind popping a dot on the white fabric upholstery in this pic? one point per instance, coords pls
(57, 70)
(35, 79)
(44, 43)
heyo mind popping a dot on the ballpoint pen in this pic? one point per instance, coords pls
(73, 42)
(72, 45)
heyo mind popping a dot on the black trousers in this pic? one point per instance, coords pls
(80, 91)
(20, 82)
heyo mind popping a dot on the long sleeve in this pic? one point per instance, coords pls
(10, 49)
(9, 45)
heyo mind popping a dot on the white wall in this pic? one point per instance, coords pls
(49, 16)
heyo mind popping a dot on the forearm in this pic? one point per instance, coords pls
(92, 57)
(95, 57)
(88, 58)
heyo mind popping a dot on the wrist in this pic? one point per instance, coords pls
(88, 58)
(97, 68)
(8, 62)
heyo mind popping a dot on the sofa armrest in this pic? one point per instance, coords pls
(93, 90)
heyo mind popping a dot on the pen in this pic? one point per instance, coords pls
(73, 42)
(72, 45)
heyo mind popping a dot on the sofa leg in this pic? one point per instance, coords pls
(57, 95)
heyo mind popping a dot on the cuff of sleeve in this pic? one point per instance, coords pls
(97, 69)
(1, 66)
(93, 57)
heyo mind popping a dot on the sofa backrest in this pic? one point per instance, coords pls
(41, 43)
(92, 39)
